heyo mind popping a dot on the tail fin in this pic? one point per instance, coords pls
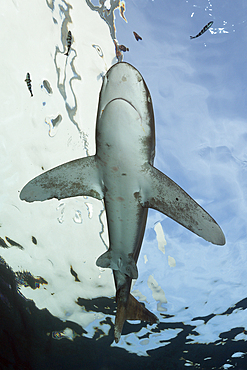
(134, 311)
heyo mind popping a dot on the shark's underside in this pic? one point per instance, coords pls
(122, 173)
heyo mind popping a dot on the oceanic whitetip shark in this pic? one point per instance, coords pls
(122, 173)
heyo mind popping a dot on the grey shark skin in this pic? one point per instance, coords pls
(122, 173)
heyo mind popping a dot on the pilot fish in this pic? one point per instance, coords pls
(203, 30)
(123, 48)
(28, 81)
(69, 42)
(137, 36)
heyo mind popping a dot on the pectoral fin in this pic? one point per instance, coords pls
(164, 195)
(71, 179)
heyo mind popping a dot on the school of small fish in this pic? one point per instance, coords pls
(119, 48)
(123, 48)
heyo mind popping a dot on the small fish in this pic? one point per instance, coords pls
(203, 30)
(123, 48)
(137, 36)
(69, 42)
(29, 85)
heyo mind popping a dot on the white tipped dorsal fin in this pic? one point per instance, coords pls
(164, 195)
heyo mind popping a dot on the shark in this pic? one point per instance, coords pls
(122, 174)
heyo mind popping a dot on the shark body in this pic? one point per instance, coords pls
(122, 173)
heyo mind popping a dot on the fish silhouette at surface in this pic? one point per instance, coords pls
(122, 173)
(137, 37)
(28, 82)
(203, 30)
(69, 42)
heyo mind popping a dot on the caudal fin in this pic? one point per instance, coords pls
(134, 311)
